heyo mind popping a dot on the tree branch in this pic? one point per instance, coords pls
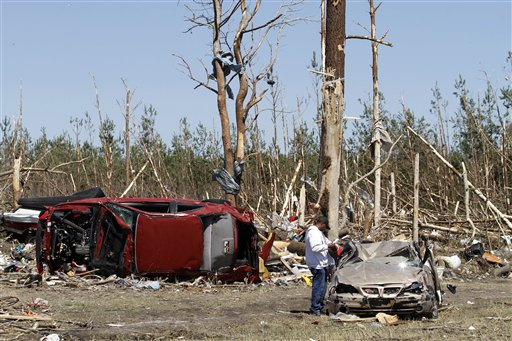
(185, 64)
(267, 24)
(378, 41)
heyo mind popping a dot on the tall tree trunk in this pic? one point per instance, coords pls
(221, 98)
(376, 118)
(415, 212)
(128, 162)
(332, 122)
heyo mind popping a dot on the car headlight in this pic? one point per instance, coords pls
(414, 288)
(346, 289)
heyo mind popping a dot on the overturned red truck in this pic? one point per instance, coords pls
(149, 236)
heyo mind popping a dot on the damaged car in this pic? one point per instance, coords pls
(150, 237)
(23, 221)
(387, 276)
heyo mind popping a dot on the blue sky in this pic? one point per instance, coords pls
(53, 48)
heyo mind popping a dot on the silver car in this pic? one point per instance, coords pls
(388, 276)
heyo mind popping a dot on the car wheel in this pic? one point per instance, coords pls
(30, 238)
(434, 313)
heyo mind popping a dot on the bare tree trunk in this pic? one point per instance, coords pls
(504, 149)
(393, 193)
(333, 108)
(415, 214)
(18, 153)
(240, 110)
(376, 118)
(127, 116)
(466, 200)
(221, 97)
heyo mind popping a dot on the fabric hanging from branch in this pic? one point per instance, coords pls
(227, 63)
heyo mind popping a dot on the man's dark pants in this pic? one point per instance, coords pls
(319, 289)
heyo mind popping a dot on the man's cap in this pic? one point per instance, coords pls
(323, 220)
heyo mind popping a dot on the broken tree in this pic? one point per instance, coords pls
(333, 41)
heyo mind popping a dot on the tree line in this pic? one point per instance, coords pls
(476, 135)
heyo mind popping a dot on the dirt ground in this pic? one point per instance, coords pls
(481, 309)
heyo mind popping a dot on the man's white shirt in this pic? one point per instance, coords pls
(317, 252)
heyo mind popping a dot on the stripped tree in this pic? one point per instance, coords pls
(231, 59)
(333, 43)
(379, 134)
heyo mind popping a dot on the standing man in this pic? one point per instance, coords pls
(318, 261)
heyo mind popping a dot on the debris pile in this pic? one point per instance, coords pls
(475, 261)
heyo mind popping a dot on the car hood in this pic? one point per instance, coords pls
(365, 273)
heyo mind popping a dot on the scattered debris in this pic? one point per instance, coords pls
(476, 249)
(343, 317)
(451, 288)
(137, 283)
(38, 304)
(386, 319)
(503, 270)
(382, 318)
(23, 252)
(452, 262)
(492, 258)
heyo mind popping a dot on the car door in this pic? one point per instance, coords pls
(168, 243)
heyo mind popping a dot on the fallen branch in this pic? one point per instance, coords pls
(25, 317)
(134, 179)
(290, 187)
(427, 225)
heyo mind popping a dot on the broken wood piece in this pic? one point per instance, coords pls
(492, 258)
(25, 317)
(282, 245)
(502, 270)
(290, 187)
(134, 179)
(285, 263)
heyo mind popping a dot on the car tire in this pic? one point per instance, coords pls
(30, 238)
(434, 313)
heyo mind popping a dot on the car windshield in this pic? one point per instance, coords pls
(125, 214)
(388, 252)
